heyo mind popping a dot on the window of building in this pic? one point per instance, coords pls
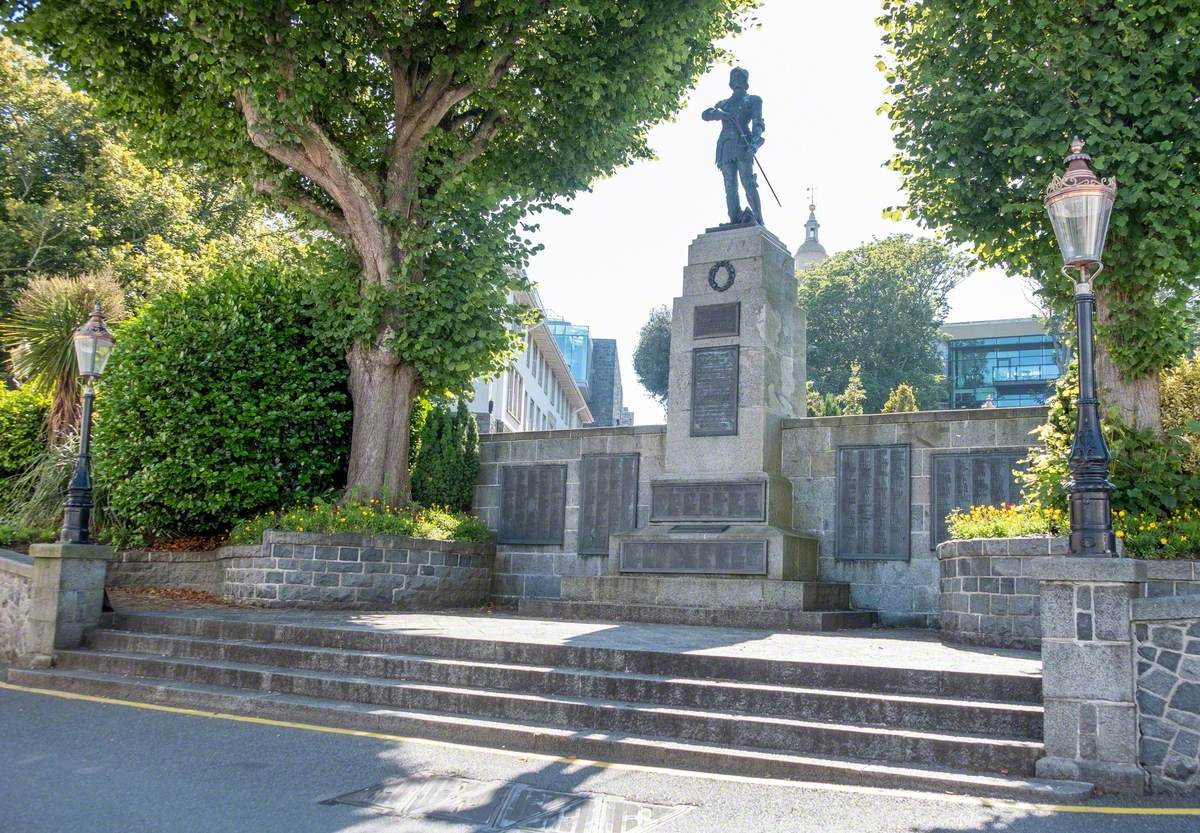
(1010, 370)
(514, 394)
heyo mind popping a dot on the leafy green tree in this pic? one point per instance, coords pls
(38, 337)
(882, 305)
(74, 198)
(652, 356)
(421, 133)
(850, 402)
(22, 429)
(985, 97)
(901, 400)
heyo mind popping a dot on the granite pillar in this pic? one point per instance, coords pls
(1091, 731)
(68, 596)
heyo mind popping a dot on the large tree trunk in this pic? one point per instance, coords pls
(383, 388)
(1137, 398)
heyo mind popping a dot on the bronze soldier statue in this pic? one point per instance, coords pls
(742, 127)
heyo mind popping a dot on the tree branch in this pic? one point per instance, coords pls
(331, 217)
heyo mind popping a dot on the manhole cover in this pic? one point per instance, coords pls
(501, 805)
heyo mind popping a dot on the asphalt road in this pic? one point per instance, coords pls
(77, 765)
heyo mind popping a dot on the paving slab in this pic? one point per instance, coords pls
(876, 647)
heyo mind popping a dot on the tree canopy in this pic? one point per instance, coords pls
(421, 132)
(75, 198)
(881, 305)
(985, 97)
(652, 356)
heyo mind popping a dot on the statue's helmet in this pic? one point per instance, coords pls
(739, 78)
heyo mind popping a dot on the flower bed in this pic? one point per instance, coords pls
(365, 518)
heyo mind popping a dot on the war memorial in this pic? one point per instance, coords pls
(744, 590)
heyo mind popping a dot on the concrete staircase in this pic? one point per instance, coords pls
(941, 730)
(768, 604)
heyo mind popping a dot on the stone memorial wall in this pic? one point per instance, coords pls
(882, 466)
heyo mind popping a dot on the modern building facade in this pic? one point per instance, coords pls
(575, 343)
(1006, 363)
(538, 391)
(604, 383)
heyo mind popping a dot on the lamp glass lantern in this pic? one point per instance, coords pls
(93, 345)
(1080, 204)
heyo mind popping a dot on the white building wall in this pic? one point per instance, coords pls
(536, 393)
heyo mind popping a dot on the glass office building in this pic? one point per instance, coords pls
(1008, 363)
(575, 342)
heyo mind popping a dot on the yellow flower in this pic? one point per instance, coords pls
(1121, 514)
(1120, 534)
(1163, 541)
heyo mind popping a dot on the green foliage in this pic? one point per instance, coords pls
(1153, 536)
(900, 400)
(850, 402)
(900, 280)
(225, 399)
(448, 462)
(1006, 521)
(74, 198)
(371, 518)
(984, 99)
(38, 338)
(652, 356)
(1150, 473)
(22, 429)
(821, 404)
(1179, 391)
(421, 134)
(33, 499)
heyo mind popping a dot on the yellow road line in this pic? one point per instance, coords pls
(584, 763)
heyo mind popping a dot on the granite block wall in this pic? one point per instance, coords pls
(358, 572)
(202, 571)
(536, 571)
(905, 587)
(1167, 639)
(16, 602)
(989, 595)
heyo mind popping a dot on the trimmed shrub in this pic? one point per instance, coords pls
(22, 429)
(224, 400)
(448, 460)
(901, 400)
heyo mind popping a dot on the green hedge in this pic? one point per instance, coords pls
(22, 429)
(222, 401)
(447, 458)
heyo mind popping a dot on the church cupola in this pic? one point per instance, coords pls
(811, 252)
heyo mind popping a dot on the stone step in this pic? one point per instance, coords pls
(922, 682)
(708, 593)
(874, 743)
(864, 709)
(773, 619)
(540, 739)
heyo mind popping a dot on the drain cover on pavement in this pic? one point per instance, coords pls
(500, 805)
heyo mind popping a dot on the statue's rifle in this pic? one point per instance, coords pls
(754, 153)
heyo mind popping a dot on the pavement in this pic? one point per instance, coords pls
(71, 763)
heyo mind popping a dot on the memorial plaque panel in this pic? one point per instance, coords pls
(533, 504)
(715, 391)
(707, 501)
(873, 502)
(608, 496)
(966, 479)
(743, 558)
(713, 320)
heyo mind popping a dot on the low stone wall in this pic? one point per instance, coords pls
(188, 570)
(530, 571)
(989, 595)
(16, 603)
(1167, 639)
(358, 572)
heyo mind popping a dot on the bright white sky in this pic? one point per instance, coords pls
(623, 248)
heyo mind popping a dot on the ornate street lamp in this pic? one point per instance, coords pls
(93, 344)
(1079, 204)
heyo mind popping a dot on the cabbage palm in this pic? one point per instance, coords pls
(38, 338)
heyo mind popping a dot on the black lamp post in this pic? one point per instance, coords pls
(93, 344)
(1079, 204)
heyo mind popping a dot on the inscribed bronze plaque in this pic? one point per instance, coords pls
(742, 558)
(533, 504)
(713, 320)
(965, 479)
(715, 391)
(707, 501)
(874, 491)
(608, 489)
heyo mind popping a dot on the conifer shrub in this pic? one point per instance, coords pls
(447, 462)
